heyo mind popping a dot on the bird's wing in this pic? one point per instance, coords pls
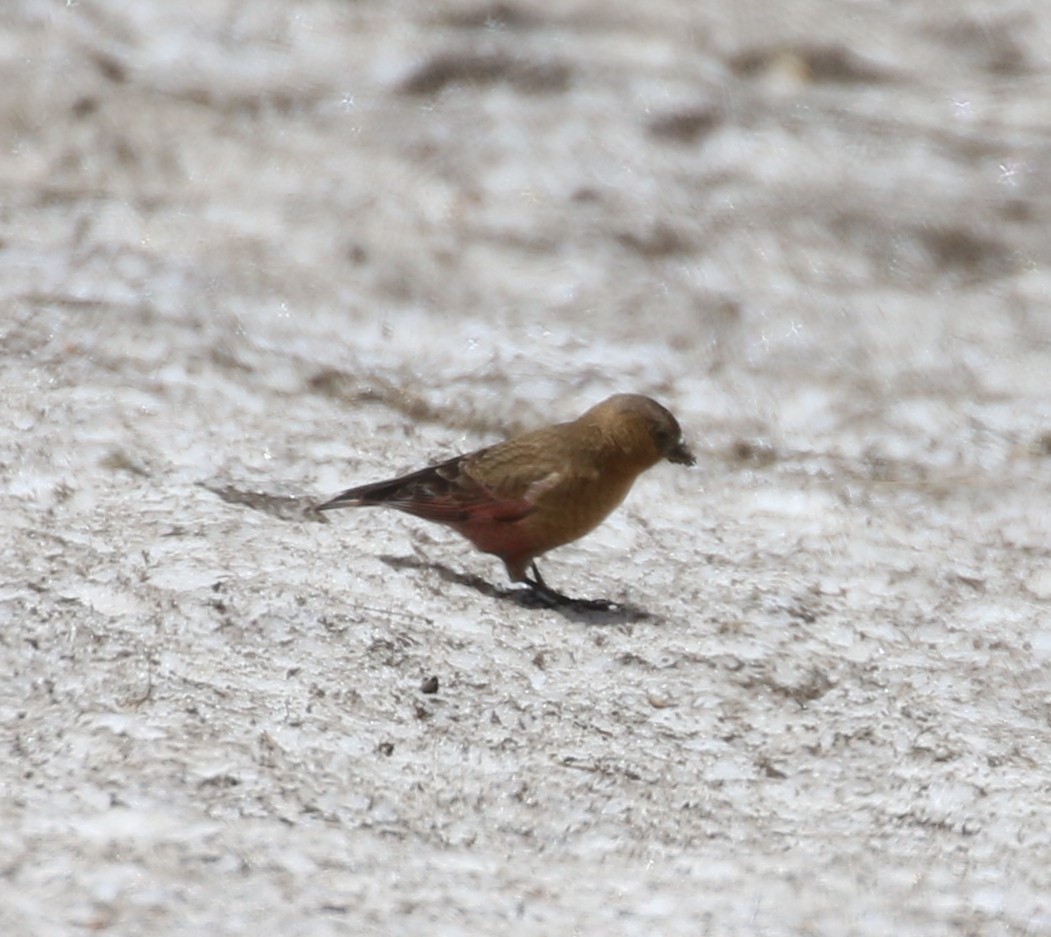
(449, 493)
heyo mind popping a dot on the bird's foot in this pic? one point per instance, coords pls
(544, 595)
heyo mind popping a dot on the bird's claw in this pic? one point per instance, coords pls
(544, 595)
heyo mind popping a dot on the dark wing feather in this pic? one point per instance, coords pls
(445, 493)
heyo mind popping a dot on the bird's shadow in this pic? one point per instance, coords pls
(585, 611)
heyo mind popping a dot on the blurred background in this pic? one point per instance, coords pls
(736, 200)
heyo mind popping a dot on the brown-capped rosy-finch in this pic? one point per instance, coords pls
(520, 498)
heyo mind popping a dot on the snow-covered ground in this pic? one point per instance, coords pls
(255, 252)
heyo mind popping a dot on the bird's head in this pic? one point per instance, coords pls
(645, 422)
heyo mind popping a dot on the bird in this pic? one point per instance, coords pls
(521, 498)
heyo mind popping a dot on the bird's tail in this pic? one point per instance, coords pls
(356, 497)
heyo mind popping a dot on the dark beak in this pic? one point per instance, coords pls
(680, 454)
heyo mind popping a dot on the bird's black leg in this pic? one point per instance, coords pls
(552, 598)
(543, 591)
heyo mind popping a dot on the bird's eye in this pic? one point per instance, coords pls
(667, 437)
